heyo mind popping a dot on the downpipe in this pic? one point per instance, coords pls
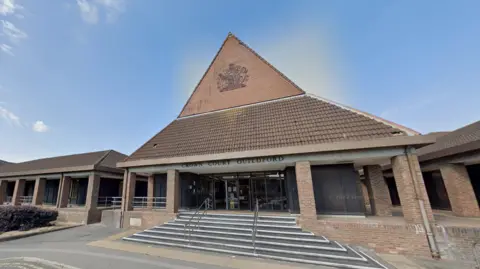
(421, 203)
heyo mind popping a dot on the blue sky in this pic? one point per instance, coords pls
(85, 75)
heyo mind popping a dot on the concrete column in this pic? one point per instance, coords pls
(92, 191)
(18, 191)
(460, 191)
(3, 191)
(411, 188)
(65, 184)
(129, 191)
(306, 197)
(150, 190)
(173, 191)
(39, 191)
(379, 196)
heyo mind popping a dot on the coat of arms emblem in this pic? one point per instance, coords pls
(233, 77)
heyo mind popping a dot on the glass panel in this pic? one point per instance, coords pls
(232, 194)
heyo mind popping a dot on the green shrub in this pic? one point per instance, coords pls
(24, 218)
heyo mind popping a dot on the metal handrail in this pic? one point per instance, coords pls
(109, 201)
(147, 202)
(254, 227)
(205, 203)
(25, 200)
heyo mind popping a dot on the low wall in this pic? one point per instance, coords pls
(458, 243)
(79, 215)
(72, 215)
(145, 219)
(381, 237)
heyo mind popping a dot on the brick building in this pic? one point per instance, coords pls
(451, 170)
(248, 134)
(73, 184)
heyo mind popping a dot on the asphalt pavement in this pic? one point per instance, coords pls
(68, 249)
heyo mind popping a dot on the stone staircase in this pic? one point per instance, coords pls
(277, 237)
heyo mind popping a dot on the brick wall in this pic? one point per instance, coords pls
(306, 196)
(145, 219)
(405, 239)
(72, 215)
(408, 190)
(458, 243)
(460, 191)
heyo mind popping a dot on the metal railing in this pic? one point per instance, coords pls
(8, 200)
(113, 202)
(149, 202)
(25, 200)
(254, 227)
(188, 226)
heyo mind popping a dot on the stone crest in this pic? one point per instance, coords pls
(233, 77)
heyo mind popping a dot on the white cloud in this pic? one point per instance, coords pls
(9, 7)
(12, 32)
(40, 127)
(7, 49)
(10, 117)
(88, 11)
(91, 9)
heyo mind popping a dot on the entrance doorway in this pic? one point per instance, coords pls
(240, 191)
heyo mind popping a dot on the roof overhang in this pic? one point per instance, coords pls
(60, 170)
(474, 145)
(390, 142)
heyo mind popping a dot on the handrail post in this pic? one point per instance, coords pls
(254, 228)
(188, 224)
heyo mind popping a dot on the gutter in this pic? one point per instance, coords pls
(421, 203)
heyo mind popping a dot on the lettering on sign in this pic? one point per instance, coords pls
(224, 163)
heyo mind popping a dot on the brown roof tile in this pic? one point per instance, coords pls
(293, 121)
(461, 140)
(106, 158)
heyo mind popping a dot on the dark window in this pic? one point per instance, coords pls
(51, 191)
(336, 190)
(392, 189)
(474, 174)
(437, 194)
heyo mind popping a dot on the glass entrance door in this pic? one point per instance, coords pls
(232, 194)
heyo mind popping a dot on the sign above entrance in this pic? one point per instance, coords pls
(226, 163)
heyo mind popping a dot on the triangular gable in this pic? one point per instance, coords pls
(237, 76)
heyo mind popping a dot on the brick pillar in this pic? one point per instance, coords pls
(173, 191)
(18, 191)
(378, 193)
(411, 189)
(150, 191)
(92, 191)
(93, 188)
(460, 191)
(366, 198)
(306, 196)
(39, 191)
(64, 191)
(129, 191)
(3, 191)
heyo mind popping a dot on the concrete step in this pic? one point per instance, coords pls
(224, 243)
(294, 233)
(356, 263)
(247, 240)
(250, 221)
(235, 224)
(243, 216)
(241, 233)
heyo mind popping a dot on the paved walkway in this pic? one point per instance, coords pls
(96, 246)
